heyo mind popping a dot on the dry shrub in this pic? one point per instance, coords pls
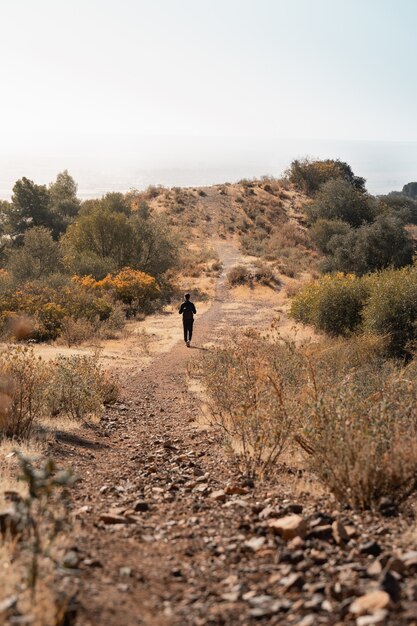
(351, 410)
(23, 380)
(75, 331)
(31, 388)
(249, 401)
(78, 387)
(238, 275)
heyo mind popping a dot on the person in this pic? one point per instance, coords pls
(187, 310)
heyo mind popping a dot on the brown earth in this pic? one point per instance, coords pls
(169, 532)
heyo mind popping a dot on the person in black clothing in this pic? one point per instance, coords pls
(187, 310)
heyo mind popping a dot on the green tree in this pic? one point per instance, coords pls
(309, 175)
(37, 257)
(64, 202)
(323, 231)
(385, 243)
(30, 206)
(99, 235)
(339, 200)
(156, 247)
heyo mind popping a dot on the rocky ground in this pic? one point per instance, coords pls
(169, 532)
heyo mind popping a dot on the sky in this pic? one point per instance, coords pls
(160, 79)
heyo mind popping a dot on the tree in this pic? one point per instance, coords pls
(323, 231)
(30, 206)
(410, 190)
(64, 201)
(400, 205)
(155, 246)
(309, 175)
(37, 257)
(384, 243)
(103, 235)
(339, 200)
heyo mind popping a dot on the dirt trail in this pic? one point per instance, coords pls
(164, 567)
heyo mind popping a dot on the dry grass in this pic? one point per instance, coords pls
(352, 412)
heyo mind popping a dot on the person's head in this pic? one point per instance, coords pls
(187, 296)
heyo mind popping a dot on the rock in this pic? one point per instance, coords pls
(219, 495)
(289, 527)
(294, 508)
(256, 543)
(126, 572)
(390, 582)
(268, 511)
(141, 505)
(379, 617)
(323, 532)
(308, 620)
(231, 596)
(112, 518)
(292, 581)
(410, 560)
(235, 490)
(374, 569)
(296, 544)
(340, 535)
(71, 559)
(370, 603)
(370, 547)
(8, 604)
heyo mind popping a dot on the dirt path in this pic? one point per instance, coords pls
(170, 557)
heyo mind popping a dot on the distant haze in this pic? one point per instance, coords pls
(387, 166)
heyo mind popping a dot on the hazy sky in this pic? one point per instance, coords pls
(338, 69)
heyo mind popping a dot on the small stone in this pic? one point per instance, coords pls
(374, 569)
(390, 582)
(340, 535)
(141, 505)
(218, 495)
(110, 518)
(256, 543)
(267, 512)
(410, 560)
(126, 572)
(294, 508)
(370, 547)
(71, 559)
(231, 596)
(379, 617)
(235, 490)
(289, 527)
(293, 581)
(323, 532)
(370, 603)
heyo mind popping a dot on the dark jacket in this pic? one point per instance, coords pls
(187, 309)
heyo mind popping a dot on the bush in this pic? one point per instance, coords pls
(23, 382)
(323, 231)
(338, 200)
(372, 247)
(238, 275)
(309, 175)
(332, 304)
(249, 402)
(391, 308)
(78, 387)
(75, 331)
(361, 436)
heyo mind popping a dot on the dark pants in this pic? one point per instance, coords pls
(188, 329)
